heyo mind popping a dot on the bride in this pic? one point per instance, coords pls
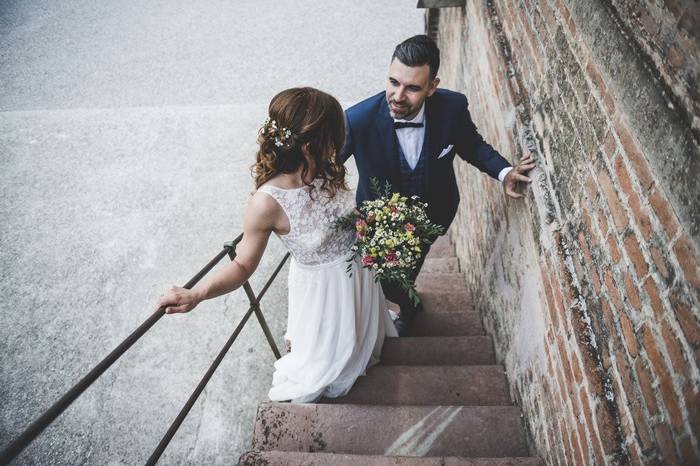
(337, 321)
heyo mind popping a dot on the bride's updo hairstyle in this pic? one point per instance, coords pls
(305, 128)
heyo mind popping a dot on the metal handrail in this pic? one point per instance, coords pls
(37, 427)
(254, 307)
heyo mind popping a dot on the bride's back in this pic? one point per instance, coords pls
(299, 141)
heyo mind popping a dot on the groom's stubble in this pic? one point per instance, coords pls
(407, 88)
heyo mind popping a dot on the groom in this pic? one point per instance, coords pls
(409, 135)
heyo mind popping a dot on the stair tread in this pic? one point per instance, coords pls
(441, 281)
(474, 431)
(456, 323)
(288, 458)
(442, 247)
(432, 351)
(434, 264)
(430, 385)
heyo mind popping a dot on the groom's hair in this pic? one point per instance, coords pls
(418, 51)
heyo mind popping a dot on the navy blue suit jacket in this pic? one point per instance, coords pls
(371, 138)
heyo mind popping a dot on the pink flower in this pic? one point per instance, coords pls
(391, 257)
(367, 261)
(360, 225)
(409, 227)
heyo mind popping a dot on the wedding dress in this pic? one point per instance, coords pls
(337, 321)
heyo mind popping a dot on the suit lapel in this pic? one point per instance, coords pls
(432, 124)
(387, 135)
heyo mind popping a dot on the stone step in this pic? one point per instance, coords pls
(288, 458)
(438, 351)
(471, 431)
(443, 324)
(436, 300)
(448, 282)
(429, 386)
(439, 265)
(442, 247)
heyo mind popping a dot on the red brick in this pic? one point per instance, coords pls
(654, 298)
(609, 103)
(646, 20)
(613, 248)
(675, 351)
(660, 261)
(610, 145)
(687, 451)
(639, 163)
(635, 254)
(688, 260)
(564, 357)
(583, 441)
(566, 443)
(645, 383)
(628, 334)
(602, 223)
(635, 460)
(607, 427)
(559, 298)
(576, 369)
(666, 389)
(613, 201)
(623, 177)
(632, 294)
(624, 373)
(589, 227)
(595, 280)
(675, 58)
(575, 447)
(641, 426)
(664, 212)
(691, 396)
(550, 300)
(686, 319)
(665, 442)
(641, 217)
(584, 248)
(596, 78)
(586, 408)
(613, 291)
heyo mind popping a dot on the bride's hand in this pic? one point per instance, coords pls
(179, 299)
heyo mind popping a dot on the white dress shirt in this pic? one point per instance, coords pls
(411, 139)
(411, 142)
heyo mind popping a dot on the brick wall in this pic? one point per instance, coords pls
(591, 285)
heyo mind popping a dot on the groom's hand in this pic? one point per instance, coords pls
(517, 174)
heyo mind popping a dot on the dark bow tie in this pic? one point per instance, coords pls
(406, 124)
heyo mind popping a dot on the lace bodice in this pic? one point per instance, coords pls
(313, 237)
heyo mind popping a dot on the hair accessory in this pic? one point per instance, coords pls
(280, 135)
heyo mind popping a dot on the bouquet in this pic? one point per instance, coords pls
(391, 232)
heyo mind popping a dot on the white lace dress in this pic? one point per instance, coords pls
(337, 322)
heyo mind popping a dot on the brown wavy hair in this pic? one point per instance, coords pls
(317, 125)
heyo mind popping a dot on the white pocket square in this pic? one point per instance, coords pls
(445, 151)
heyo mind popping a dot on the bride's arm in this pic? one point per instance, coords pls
(259, 221)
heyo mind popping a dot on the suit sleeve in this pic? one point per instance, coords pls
(348, 148)
(472, 147)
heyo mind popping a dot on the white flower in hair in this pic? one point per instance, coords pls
(280, 135)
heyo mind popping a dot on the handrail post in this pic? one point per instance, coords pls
(255, 305)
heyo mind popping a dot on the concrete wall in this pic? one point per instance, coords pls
(591, 285)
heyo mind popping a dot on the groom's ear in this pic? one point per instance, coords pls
(433, 86)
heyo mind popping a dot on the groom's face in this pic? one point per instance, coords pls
(407, 88)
